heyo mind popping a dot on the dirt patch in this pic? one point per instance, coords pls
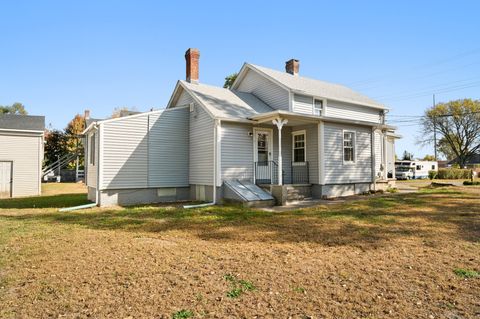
(387, 257)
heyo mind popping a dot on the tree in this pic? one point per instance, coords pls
(429, 158)
(15, 108)
(444, 148)
(72, 140)
(55, 146)
(122, 111)
(229, 80)
(458, 124)
(407, 156)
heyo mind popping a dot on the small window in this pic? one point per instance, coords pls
(318, 107)
(299, 147)
(419, 167)
(92, 149)
(349, 147)
(433, 166)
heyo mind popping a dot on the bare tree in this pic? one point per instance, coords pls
(457, 124)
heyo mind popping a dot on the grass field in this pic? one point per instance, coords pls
(413, 255)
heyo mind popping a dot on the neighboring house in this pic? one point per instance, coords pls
(21, 155)
(286, 133)
(473, 161)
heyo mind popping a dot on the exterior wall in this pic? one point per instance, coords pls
(267, 91)
(184, 99)
(236, 151)
(338, 172)
(26, 153)
(391, 157)
(351, 111)
(91, 168)
(168, 153)
(345, 189)
(125, 153)
(311, 151)
(201, 147)
(303, 104)
(286, 151)
(134, 196)
(92, 194)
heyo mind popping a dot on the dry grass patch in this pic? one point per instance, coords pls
(395, 256)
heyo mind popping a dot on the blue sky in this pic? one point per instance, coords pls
(61, 57)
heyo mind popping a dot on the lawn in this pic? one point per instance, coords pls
(413, 255)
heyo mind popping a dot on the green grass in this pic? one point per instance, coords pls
(239, 286)
(182, 314)
(465, 273)
(54, 201)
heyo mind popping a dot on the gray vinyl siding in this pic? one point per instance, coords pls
(303, 104)
(92, 168)
(312, 149)
(351, 111)
(125, 153)
(148, 151)
(201, 147)
(26, 153)
(237, 151)
(168, 154)
(378, 152)
(184, 99)
(266, 90)
(336, 171)
(286, 151)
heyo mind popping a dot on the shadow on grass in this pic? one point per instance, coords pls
(53, 201)
(360, 223)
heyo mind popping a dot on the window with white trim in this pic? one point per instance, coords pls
(317, 107)
(92, 149)
(348, 147)
(299, 153)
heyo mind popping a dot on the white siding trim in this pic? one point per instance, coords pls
(321, 153)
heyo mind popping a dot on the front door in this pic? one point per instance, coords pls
(5, 179)
(263, 156)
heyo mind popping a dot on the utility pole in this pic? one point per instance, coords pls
(434, 129)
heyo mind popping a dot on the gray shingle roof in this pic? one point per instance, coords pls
(317, 88)
(22, 122)
(225, 103)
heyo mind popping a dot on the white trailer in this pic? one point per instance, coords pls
(414, 169)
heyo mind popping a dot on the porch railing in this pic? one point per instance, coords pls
(300, 173)
(266, 172)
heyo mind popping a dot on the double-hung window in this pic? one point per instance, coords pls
(299, 146)
(348, 147)
(317, 107)
(92, 149)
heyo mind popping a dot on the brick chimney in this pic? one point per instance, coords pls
(86, 114)
(192, 56)
(292, 66)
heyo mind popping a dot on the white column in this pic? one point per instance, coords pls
(280, 123)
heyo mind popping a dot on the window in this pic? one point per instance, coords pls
(419, 167)
(299, 146)
(317, 107)
(433, 167)
(92, 149)
(349, 147)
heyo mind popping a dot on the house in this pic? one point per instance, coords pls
(273, 133)
(473, 161)
(21, 155)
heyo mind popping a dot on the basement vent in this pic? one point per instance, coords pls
(167, 192)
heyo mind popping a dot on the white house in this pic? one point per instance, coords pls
(277, 131)
(21, 155)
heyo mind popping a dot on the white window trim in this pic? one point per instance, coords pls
(354, 142)
(270, 140)
(295, 133)
(324, 103)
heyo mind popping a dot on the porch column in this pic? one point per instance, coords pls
(280, 123)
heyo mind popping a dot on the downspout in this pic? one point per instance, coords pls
(98, 148)
(215, 164)
(374, 175)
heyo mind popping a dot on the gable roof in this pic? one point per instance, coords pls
(22, 122)
(225, 103)
(303, 85)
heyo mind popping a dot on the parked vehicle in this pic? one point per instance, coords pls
(414, 169)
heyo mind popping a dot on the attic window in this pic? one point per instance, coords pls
(317, 107)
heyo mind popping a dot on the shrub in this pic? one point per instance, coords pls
(432, 174)
(453, 173)
(470, 183)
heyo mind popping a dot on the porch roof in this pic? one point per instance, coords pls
(299, 119)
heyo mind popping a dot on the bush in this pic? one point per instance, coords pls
(432, 174)
(470, 183)
(453, 173)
